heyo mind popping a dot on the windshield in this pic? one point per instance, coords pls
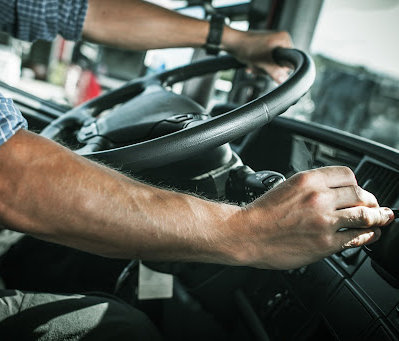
(355, 49)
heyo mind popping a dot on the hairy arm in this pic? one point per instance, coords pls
(56, 195)
(136, 24)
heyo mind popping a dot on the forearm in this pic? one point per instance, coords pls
(138, 25)
(141, 25)
(55, 195)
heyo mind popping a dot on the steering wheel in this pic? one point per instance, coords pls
(115, 137)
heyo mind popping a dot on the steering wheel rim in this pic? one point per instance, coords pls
(208, 134)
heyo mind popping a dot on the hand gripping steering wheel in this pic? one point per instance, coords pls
(109, 138)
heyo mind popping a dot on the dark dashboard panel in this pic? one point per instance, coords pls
(382, 294)
(346, 303)
(341, 141)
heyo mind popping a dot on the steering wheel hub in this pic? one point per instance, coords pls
(149, 115)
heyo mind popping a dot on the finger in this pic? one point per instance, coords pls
(278, 73)
(281, 75)
(336, 176)
(363, 217)
(355, 238)
(351, 196)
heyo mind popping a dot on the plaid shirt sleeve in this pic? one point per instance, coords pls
(11, 119)
(31, 20)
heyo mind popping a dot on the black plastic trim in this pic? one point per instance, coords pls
(340, 139)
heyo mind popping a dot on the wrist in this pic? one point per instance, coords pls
(222, 37)
(231, 39)
(231, 242)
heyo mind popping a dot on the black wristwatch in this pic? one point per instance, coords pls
(216, 25)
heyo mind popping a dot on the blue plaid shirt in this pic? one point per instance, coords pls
(31, 20)
(11, 119)
(43, 19)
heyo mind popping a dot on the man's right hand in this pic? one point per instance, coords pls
(66, 199)
(301, 221)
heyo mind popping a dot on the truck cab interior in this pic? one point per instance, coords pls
(208, 126)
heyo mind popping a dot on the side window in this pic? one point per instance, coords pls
(355, 48)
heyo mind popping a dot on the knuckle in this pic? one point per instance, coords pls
(364, 197)
(348, 173)
(373, 200)
(322, 220)
(365, 217)
(358, 192)
(315, 199)
(302, 179)
(369, 198)
(382, 218)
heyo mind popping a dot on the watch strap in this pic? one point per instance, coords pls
(214, 39)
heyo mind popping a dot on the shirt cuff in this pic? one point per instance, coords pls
(11, 120)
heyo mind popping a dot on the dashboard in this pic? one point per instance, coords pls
(353, 294)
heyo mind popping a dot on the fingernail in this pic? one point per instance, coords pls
(389, 213)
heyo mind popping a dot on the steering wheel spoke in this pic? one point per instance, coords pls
(92, 145)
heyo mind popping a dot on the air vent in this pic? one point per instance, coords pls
(380, 180)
